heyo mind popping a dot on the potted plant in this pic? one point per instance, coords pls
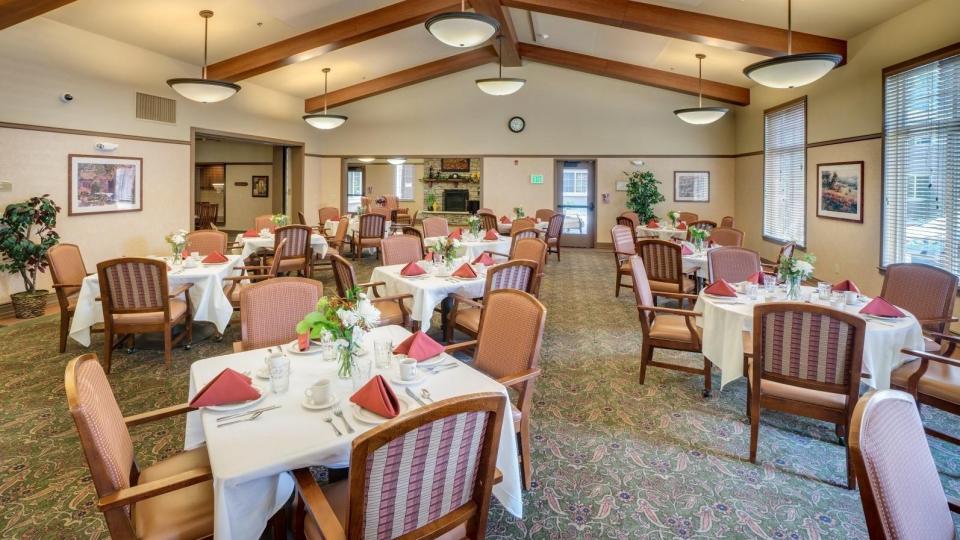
(26, 233)
(431, 200)
(642, 194)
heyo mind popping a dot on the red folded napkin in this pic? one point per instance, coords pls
(303, 341)
(465, 271)
(215, 258)
(485, 259)
(685, 250)
(227, 387)
(880, 307)
(377, 397)
(419, 346)
(721, 288)
(505, 220)
(250, 233)
(652, 224)
(491, 235)
(682, 226)
(756, 277)
(456, 234)
(845, 285)
(412, 269)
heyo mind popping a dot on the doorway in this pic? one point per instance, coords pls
(356, 187)
(575, 193)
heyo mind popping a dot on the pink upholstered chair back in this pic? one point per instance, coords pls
(733, 264)
(809, 346)
(726, 222)
(488, 221)
(343, 274)
(555, 226)
(511, 331)
(414, 232)
(401, 249)
(530, 249)
(66, 267)
(633, 217)
(271, 309)
(544, 214)
(688, 217)
(486, 211)
(925, 291)
(207, 242)
(623, 242)
(298, 241)
(133, 285)
(435, 226)
(662, 260)
(264, 222)
(641, 290)
(391, 202)
(523, 223)
(727, 237)
(515, 274)
(899, 485)
(328, 213)
(372, 225)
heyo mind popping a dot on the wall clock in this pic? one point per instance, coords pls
(516, 124)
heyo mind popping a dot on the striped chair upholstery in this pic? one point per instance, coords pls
(401, 249)
(519, 234)
(392, 308)
(733, 264)
(270, 310)
(727, 237)
(296, 253)
(387, 213)
(206, 242)
(544, 214)
(135, 285)
(624, 245)
(628, 223)
(554, 232)
(514, 274)
(488, 221)
(328, 213)
(900, 488)
(633, 217)
(369, 232)
(532, 249)
(726, 222)
(688, 217)
(264, 222)
(435, 226)
(664, 265)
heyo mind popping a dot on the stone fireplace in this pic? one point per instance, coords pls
(455, 200)
(456, 191)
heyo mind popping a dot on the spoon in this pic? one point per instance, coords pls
(329, 420)
(253, 416)
(426, 395)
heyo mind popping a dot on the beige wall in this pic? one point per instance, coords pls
(242, 206)
(506, 184)
(321, 185)
(381, 180)
(210, 151)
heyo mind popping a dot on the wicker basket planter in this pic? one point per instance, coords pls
(28, 305)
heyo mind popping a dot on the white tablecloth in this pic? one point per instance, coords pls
(663, 233)
(209, 302)
(427, 292)
(473, 248)
(250, 245)
(724, 321)
(506, 228)
(250, 459)
(331, 227)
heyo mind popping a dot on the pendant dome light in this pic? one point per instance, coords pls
(792, 70)
(701, 114)
(462, 28)
(500, 86)
(204, 90)
(324, 120)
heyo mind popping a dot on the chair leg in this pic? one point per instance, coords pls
(299, 517)
(707, 378)
(646, 354)
(279, 524)
(754, 428)
(525, 454)
(107, 348)
(851, 477)
(64, 330)
(167, 345)
(619, 279)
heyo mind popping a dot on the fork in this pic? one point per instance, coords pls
(329, 420)
(253, 416)
(338, 412)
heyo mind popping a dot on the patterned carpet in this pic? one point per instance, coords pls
(612, 459)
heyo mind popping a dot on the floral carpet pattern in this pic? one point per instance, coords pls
(612, 459)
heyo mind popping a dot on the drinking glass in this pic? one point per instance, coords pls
(823, 290)
(383, 353)
(753, 291)
(279, 366)
(328, 351)
(362, 370)
(769, 283)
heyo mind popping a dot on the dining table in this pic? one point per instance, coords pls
(251, 460)
(507, 228)
(330, 226)
(663, 233)
(207, 298)
(251, 244)
(472, 247)
(724, 319)
(430, 290)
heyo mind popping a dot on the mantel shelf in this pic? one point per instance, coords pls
(449, 180)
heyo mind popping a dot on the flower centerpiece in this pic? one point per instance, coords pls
(674, 217)
(699, 237)
(518, 212)
(279, 220)
(345, 321)
(794, 271)
(474, 223)
(446, 249)
(177, 240)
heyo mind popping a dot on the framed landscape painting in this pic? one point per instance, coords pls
(691, 186)
(99, 184)
(840, 191)
(455, 164)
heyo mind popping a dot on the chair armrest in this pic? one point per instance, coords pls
(374, 285)
(318, 505)
(624, 254)
(251, 277)
(953, 504)
(459, 298)
(494, 253)
(65, 285)
(252, 267)
(158, 414)
(497, 476)
(459, 347)
(671, 311)
(679, 296)
(139, 492)
(393, 298)
(931, 357)
(517, 378)
(943, 335)
(180, 289)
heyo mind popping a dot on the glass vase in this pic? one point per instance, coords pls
(177, 255)
(793, 288)
(346, 363)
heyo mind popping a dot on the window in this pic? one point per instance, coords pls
(574, 183)
(784, 179)
(921, 162)
(354, 188)
(403, 175)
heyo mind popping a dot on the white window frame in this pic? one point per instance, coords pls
(401, 171)
(770, 236)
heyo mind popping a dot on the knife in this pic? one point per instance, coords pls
(415, 398)
(237, 415)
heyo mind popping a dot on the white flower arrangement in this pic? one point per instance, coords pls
(345, 321)
(673, 216)
(797, 268)
(279, 220)
(177, 240)
(474, 223)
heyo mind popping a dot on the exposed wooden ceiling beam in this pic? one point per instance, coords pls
(493, 8)
(637, 74)
(407, 77)
(17, 11)
(686, 25)
(329, 38)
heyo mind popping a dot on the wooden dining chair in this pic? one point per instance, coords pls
(234, 285)
(806, 361)
(270, 311)
(524, 223)
(927, 292)
(369, 234)
(726, 222)
(67, 271)
(532, 249)
(435, 226)
(297, 253)
(415, 233)
(402, 215)
(664, 264)
(628, 223)
(786, 250)
(508, 349)
(388, 214)
(900, 488)
(488, 221)
(206, 242)
(666, 328)
(207, 215)
(328, 213)
(338, 242)
(516, 235)
(173, 498)
(465, 313)
(688, 217)
(932, 380)
(136, 299)
(633, 217)
(624, 247)
(544, 214)
(301, 219)
(734, 264)
(553, 234)
(727, 237)
(401, 249)
(392, 308)
(264, 222)
(390, 498)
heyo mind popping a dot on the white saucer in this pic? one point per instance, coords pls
(431, 361)
(395, 379)
(330, 403)
(241, 405)
(367, 417)
(262, 373)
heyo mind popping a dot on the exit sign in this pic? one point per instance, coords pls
(536, 178)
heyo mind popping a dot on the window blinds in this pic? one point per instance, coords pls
(403, 175)
(784, 154)
(921, 168)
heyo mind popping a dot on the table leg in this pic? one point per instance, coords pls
(445, 306)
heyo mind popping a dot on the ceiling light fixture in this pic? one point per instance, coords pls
(792, 70)
(204, 90)
(396, 161)
(462, 28)
(324, 120)
(366, 159)
(500, 86)
(701, 114)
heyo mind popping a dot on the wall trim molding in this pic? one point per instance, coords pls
(831, 142)
(234, 163)
(90, 133)
(545, 156)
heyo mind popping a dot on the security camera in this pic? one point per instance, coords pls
(66, 98)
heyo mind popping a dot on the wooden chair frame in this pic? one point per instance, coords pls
(413, 231)
(308, 261)
(675, 250)
(628, 223)
(621, 257)
(459, 299)
(913, 383)
(66, 312)
(555, 247)
(358, 236)
(373, 286)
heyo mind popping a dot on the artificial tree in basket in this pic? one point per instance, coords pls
(642, 194)
(26, 233)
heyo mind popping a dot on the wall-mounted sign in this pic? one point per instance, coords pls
(536, 178)
(621, 186)
(241, 184)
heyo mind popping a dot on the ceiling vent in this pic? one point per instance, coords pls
(156, 108)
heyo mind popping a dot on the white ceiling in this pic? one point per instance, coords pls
(173, 28)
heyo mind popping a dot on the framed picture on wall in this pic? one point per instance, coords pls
(260, 186)
(455, 164)
(691, 186)
(99, 185)
(840, 191)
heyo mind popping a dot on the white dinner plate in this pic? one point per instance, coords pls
(242, 405)
(367, 417)
(319, 407)
(718, 297)
(883, 318)
(431, 361)
(294, 348)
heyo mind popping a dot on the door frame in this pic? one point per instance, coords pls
(345, 183)
(591, 232)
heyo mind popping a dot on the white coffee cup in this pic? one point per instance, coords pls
(408, 369)
(851, 297)
(195, 255)
(319, 393)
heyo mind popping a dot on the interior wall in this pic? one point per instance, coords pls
(381, 180)
(243, 162)
(321, 185)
